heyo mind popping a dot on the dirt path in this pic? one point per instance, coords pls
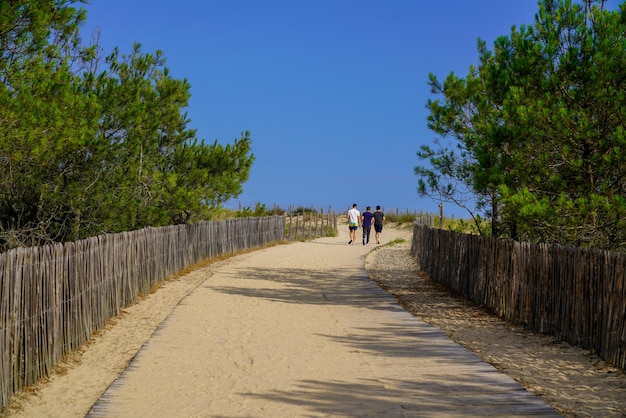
(293, 330)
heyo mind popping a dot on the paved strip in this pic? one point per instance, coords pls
(300, 330)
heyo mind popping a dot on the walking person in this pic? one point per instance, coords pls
(354, 220)
(379, 217)
(367, 225)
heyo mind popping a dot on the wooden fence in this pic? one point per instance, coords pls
(577, 295)
(310, 224)
(52, 298)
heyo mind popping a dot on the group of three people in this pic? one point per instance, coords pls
(355, 220)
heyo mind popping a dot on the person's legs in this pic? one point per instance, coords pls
(352, 234)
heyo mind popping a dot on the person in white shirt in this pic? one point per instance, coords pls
(354, 221)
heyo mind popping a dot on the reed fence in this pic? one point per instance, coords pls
(577, 295)
(52, 298)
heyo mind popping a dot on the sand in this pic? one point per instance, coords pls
(238, 361)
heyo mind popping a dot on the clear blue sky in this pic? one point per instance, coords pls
(333, 92)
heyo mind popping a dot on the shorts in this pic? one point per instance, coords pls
(378, 228)
(353, 227)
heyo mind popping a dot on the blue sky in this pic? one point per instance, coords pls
(333, 92)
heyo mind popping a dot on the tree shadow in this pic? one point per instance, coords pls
(336, 286)
(424, 397)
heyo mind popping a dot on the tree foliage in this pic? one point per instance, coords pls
(537, 129)
(91, 145)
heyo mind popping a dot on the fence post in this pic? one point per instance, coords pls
(317, 214)
(441, 216)
(290, 220)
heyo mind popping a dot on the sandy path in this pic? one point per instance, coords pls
(294, 330)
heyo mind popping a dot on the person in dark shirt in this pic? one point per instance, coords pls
(379, 217)
(367, 225)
